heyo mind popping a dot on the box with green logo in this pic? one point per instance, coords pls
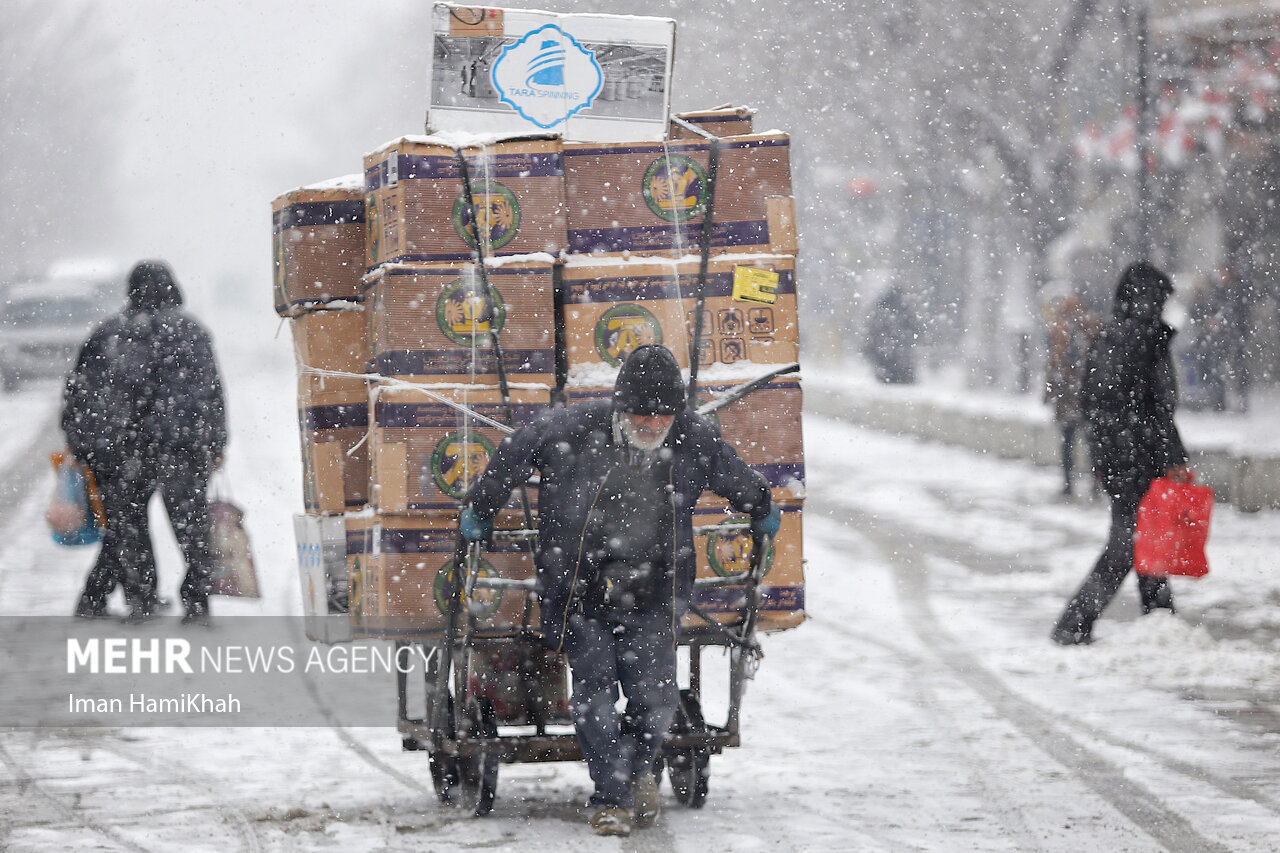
(399, 571)
(416, 208)
(430, 443)
(723, 554)
(612, 305)
(436, 322)
(652, 197)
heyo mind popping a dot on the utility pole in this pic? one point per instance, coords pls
(1143, 131)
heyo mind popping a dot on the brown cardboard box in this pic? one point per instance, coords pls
(725, 121)
(333, 419)
(331, 341)
(398, 569)
(426, 454)
(650, 197)
(612, 307)
(721, 555)
(763, 427)
(430, 323)
(318, 238)
(416, 209)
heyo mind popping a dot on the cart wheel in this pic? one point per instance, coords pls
(478, 774)
(688, 768)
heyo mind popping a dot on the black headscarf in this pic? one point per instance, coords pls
(153, 287)
(1141, 294)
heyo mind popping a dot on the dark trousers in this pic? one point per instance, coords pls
(1068, 453)
(641, 658)
(1109, 572)
(126, 556)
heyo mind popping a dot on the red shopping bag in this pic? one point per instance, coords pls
(1173, 527)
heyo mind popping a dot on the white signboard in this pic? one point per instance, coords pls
(591, 78)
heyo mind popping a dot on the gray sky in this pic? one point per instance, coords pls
(230, 110)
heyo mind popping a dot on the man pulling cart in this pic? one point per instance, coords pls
(618, 480)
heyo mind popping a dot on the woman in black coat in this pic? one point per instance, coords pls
(1127, 399)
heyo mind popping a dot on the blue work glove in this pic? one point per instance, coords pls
(767, 526)
(472, 527)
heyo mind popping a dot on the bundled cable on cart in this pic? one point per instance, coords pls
(704, 248)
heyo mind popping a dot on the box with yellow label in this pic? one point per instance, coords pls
(427, 452)
(436, 322)
(400, 570)
(416, 208)
(612, 307)
(318, 236)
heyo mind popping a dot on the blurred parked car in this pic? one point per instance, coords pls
(44, 321)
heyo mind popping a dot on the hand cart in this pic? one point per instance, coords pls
(467, 735)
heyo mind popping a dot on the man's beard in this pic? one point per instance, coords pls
(646, 441)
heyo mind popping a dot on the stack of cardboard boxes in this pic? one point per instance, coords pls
(589, 250)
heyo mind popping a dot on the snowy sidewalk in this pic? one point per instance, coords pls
(1236, 453)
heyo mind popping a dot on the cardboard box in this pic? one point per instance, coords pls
(763, 427)
(427, 454)
(322, 566)
(398, 568)
(333, 420)
(318, 237)
(612, 307)
(431, 323)
(650, 198)
(416, 207)
(331, 341)
(725, 121)
(722, 555)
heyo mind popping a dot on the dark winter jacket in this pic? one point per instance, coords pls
(145, 381)
(1130, 392)
(574, 451)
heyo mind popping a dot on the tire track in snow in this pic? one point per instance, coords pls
(27, 784)
(906, 549)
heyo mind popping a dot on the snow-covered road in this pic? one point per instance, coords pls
(920, 708)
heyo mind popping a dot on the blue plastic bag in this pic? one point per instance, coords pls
(75, 510)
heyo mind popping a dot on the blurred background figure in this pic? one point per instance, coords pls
(890, 345)
(1127, 398)
(1072, 328)
(143, 408)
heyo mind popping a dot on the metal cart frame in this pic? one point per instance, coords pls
(460, 732)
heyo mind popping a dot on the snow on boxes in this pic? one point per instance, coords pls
(318, 235)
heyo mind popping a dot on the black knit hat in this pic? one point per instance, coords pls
(649, 383)
(152, 287)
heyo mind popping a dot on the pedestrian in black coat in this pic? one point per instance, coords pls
(143, 408)
(1128, 398)
(618, 481)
